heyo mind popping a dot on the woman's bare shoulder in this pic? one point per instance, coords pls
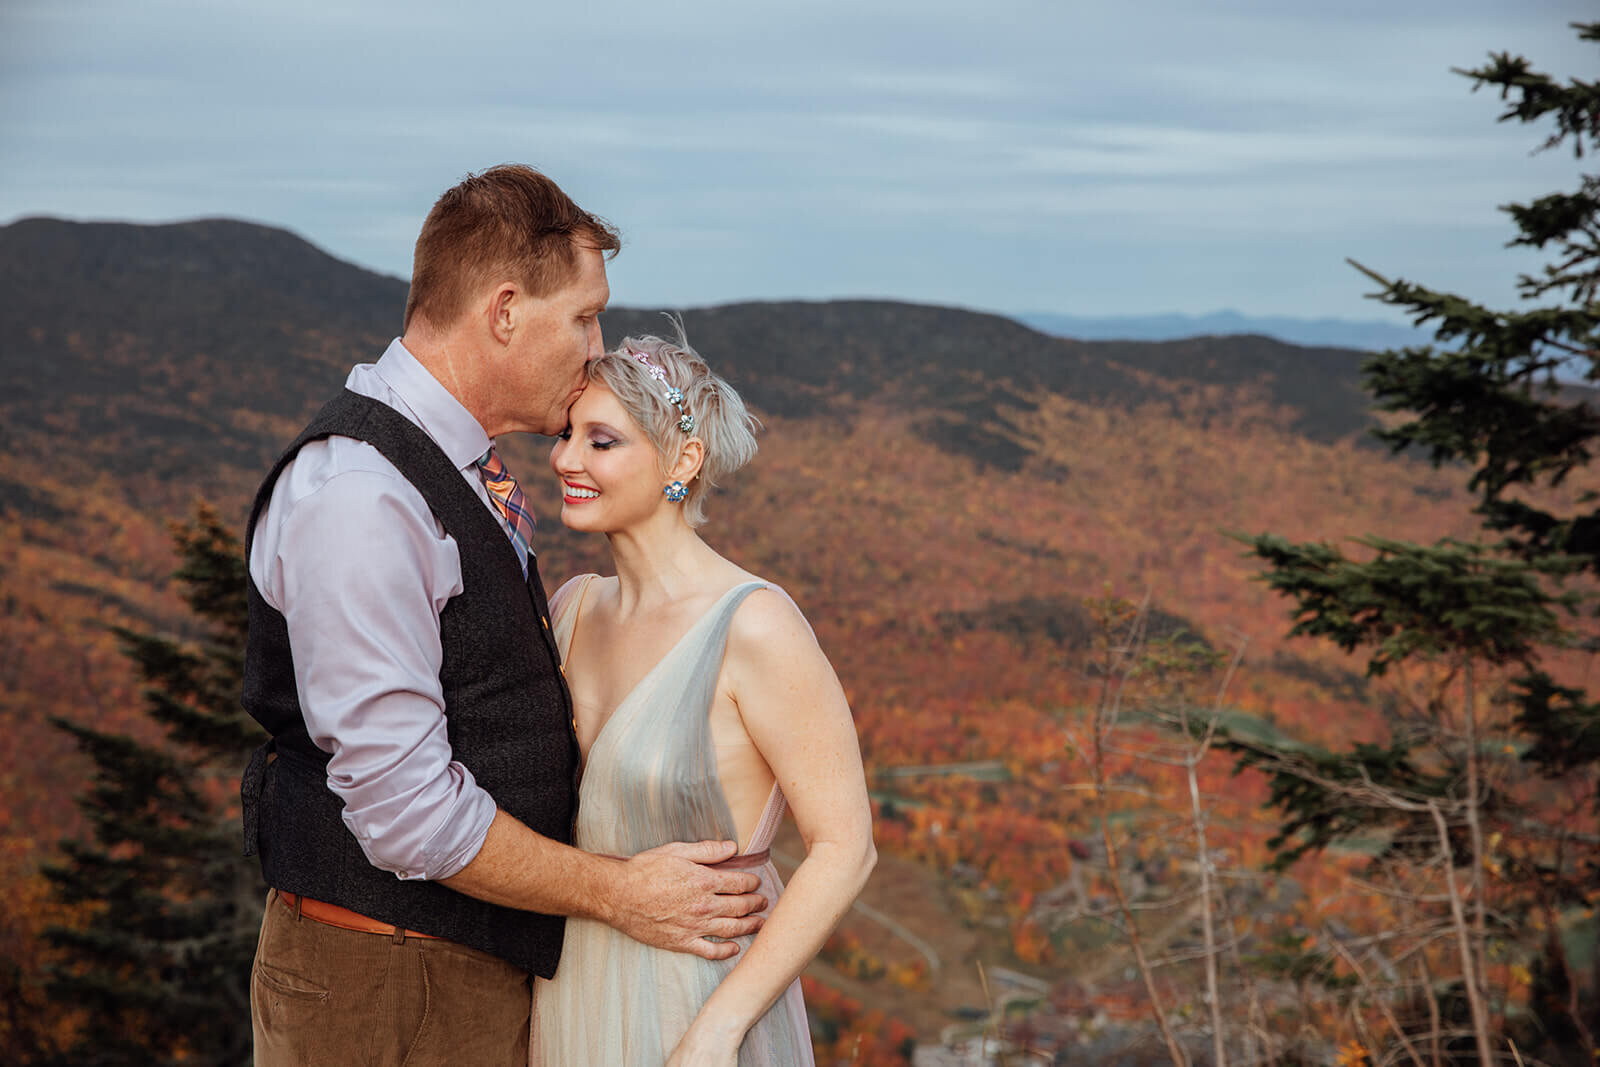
(768, 617)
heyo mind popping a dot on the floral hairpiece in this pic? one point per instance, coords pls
(673, 393)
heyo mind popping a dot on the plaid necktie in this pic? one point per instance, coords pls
(509, 503)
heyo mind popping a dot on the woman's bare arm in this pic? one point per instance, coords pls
(795, 711)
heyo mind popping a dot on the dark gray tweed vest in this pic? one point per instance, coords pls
(508, 710)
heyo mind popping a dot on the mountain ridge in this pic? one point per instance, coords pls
(1326, 332)
(116, 318)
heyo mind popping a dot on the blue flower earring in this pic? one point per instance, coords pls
(676, 491)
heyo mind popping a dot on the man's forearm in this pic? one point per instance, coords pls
(518, 868)
(666, 896)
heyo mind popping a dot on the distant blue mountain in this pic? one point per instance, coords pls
(1318, 333)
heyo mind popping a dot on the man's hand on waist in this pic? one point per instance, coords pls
(667, 897)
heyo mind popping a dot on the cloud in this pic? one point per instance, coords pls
(1078, 157)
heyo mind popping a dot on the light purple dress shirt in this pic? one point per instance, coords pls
(349, 552)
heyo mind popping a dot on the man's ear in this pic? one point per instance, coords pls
(690, 458)
(501, 311)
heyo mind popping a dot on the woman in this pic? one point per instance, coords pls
(702, 706)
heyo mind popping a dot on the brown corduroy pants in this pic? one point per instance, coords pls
(320, 994)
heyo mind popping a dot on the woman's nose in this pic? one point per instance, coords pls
(558, 454)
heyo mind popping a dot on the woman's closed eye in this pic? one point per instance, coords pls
(597, 441)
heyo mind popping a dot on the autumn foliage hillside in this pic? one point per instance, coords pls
(941, 490)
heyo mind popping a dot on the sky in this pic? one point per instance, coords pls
(1081, 157)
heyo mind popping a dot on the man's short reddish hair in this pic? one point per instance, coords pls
(508, 222)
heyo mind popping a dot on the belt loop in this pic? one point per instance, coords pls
(399, 935)
(299, 905)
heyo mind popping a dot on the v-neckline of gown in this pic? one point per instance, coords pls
(670, 652)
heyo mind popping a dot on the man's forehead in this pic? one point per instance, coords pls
(591, 274)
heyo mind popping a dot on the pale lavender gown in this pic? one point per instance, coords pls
(651, 778)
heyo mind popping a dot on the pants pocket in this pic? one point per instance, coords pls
(279, 983)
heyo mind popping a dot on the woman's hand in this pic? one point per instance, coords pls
(707, 1046)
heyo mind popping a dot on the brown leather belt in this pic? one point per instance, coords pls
(343, 918)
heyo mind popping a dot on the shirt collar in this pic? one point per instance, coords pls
(441, 416)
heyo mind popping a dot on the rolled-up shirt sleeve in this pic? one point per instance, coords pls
(360, 571)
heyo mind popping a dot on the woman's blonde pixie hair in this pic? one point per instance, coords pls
(721, 421)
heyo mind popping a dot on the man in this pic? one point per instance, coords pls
(413, 808)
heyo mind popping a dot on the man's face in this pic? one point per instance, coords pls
(555, 336)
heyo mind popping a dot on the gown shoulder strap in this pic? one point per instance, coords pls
(777, 805)
(566, 606)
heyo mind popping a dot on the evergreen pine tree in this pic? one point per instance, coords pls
(159, 972)
(1481, 616)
